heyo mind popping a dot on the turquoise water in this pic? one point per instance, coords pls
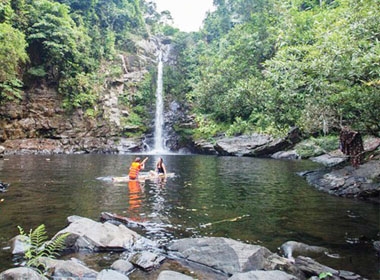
(258, 201)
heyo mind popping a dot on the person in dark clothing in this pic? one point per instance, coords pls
(351, 144)
(160, 167)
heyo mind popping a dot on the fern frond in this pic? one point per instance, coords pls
(39, 236)
(58, 244)
(40, 247)
(21, 231)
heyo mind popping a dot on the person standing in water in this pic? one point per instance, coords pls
(135, 168)
(160, 167)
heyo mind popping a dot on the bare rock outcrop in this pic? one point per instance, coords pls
(86, 234)
(223, 254)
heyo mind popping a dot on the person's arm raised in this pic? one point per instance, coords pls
(143, 162)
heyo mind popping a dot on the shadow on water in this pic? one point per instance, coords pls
(258, 201)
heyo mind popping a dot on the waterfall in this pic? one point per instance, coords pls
(159, 118)
(125, 68)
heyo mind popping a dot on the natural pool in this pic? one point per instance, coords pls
(259, 201)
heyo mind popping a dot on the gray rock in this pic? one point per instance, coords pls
(292, 249)
(205, 147)
(61, 269)
(172, 275)
(276, 262)
(109, 274)
(146, 260)
(86, 234)
(263, 275)
(311, 267)
(21, 273)
(223, 254)
(73, 218)
(129, 145)
(19, 244)
(256, 145)
(281, 144)
(331, 159)
(286, 155)
(122, 266)
(241, 145)
(348, 181)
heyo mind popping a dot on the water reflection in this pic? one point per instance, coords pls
(135, 198)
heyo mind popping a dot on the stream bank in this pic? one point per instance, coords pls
(132, 256)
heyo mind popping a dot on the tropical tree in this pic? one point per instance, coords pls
(12, 54)
(55, 41)
(331, 78)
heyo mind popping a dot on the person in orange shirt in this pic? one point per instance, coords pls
(135, 168)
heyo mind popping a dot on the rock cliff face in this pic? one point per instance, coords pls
(38, 124)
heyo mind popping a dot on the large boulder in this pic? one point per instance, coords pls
(205, 147)
(312, 268)
(280, 144)
(361, 182)
(223, 254)
(21, 273)
(241, 145)
(256, 145)
(86, 234)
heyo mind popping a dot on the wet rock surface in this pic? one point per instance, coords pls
(88, 235)
(21, 273)
(223, 254)
(38, 124)
(189, 258)
(254, 145)
(362, 182)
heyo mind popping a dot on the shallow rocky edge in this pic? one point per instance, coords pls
(361, 183)
(191, 258)
(339, 178)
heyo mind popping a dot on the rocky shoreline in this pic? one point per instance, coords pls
(360, 183)
(136, 257)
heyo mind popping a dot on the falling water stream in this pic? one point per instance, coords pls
(159, 120)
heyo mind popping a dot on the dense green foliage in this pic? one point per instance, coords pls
(12, 53)
(267, 65)
(64, 44)
(257, 65)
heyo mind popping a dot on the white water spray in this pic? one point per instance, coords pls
(159, 118)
